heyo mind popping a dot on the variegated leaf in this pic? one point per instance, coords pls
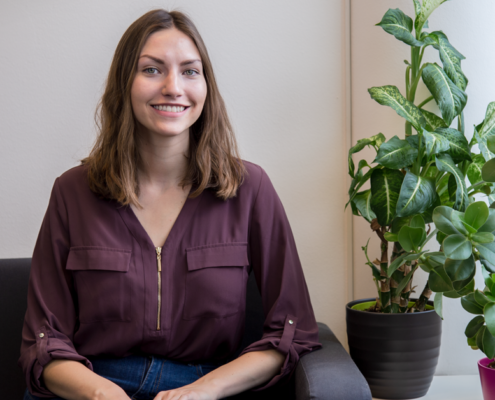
(445, 164)
(416, 195)
(391, 96)
(486, 130)
(400, 25)
(426, 9)
(459, 147)
(433, 121)
(435, 143)
(385, 187)
(450, 99)
(362, 201)
(396, 154)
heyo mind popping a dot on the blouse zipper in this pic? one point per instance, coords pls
(159, 265)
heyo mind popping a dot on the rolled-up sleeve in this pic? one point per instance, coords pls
(290, 325)
(50, 318)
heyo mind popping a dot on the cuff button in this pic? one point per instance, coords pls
(291, 322)
(42, 335)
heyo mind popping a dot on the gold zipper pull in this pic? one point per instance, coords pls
(159, 266)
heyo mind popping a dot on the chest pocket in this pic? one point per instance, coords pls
(215, 280)
(102, 283)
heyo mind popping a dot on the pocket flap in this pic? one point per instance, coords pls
(98, 258)
(227, 255)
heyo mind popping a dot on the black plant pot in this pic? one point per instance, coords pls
(396, 353)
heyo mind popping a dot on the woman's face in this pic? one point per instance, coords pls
(169, 89)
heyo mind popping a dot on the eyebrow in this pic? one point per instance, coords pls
(159, 61)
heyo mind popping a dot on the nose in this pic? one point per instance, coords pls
(172, 85)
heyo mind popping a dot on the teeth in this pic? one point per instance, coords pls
(170, 108)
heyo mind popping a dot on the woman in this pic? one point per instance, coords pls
(138, 278)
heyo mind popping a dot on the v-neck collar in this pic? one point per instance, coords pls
(181, 223)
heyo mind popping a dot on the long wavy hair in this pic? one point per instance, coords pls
(213, 159)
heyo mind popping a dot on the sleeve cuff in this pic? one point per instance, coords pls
(48, 349)
(284, 345)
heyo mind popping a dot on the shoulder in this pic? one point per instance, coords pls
(73, 185)
(256, 180)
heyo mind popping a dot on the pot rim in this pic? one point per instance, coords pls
(353, 302)
(486, 361)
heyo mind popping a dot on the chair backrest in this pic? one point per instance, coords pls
(14, 276)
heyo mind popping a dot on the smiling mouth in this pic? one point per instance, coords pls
(176, 109)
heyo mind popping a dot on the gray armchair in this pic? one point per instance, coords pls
(328, 373)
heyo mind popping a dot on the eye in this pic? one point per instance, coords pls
(191, 72)
(150, 70)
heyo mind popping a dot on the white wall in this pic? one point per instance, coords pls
(377, 60)
(280, 66)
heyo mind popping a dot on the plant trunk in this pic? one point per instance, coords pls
(406, 292)
(396, 297)
(385, 281)
(423, 299)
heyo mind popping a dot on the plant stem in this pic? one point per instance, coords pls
(425, 101)
(475, 185)
(425, 169)
(423, 299)
(385, 281)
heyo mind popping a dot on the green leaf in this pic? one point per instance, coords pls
(375, 140)
(459, 270)
(435, 143)
(487, 277)
(442, 217)
(486, 130)
(399, 222)
(451, 59)
(481, 299)
(357, 183)
(441, 237)
(490, 317)
(427, 215)
(474, 326)
(489, 225)
(396, 154)
(457, 218)
(426, 9)
(400, 25)
(439, 281)
(459, 147)
(479, 337)
(450, 99)
(483, 237)
(457, 247)
(438, 304)
(445, 164)
(362, 201)
(474, 169)
(488, 171)
(405, 280)
(476, 214)
(391, 237)
(433, 121)
(472, 342)
(470, 305)
(401, 260)
(487, 251)
(416, 195)
(391, 96)
(417, 7)
(490, 143)
(411, 238)
(488, 343)
(417, 222)
(463, 288)
(385, 186)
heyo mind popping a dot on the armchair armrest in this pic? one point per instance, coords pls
(329, 373)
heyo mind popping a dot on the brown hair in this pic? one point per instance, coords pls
(214, 160)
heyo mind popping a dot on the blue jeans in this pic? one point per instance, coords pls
(142, 377)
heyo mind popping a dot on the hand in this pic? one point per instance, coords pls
(194, 391)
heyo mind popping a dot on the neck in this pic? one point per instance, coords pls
(163, 160)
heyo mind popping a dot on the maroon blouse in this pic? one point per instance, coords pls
(98, 285)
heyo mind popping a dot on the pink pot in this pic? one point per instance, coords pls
(487, 376)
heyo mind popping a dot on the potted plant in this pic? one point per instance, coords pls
(395, 339)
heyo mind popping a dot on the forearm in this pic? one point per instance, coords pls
(248, 371)
(72, 380)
